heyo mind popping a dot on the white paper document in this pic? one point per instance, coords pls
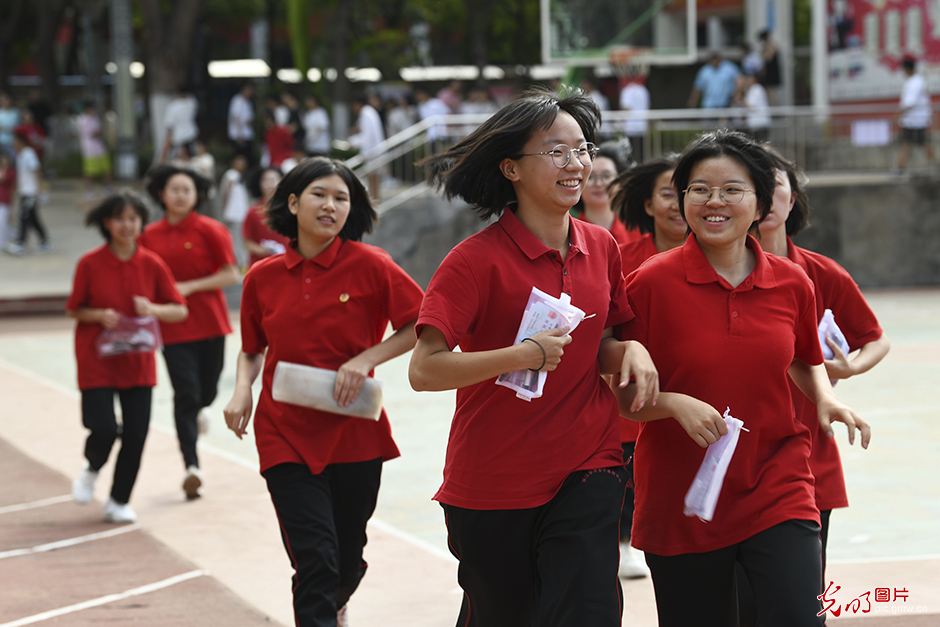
(311, 387)
(702, 496)
(542, 313)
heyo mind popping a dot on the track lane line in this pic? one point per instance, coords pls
(61, 544)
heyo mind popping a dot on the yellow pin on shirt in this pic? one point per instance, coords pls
(343, 297)
(188, 245)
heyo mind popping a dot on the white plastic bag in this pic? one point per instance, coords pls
(312, 387)
(702, 496)
(829, 328)
(542, 313)
(131, 335)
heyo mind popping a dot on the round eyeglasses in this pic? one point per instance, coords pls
(561, 154)
(729, 193)
(601, 179)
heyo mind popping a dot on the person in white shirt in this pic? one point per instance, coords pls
(916, 114)
(180, 124)
(241, 116)
(753, 97)
(635, 98)
(317, 127)
(429, 107)
(367, 135)
(28, 186)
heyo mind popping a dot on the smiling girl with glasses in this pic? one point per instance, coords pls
(532, 489)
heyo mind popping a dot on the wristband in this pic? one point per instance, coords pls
(544, 358)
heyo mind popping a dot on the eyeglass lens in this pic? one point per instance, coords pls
(701, 194)
(561, 154)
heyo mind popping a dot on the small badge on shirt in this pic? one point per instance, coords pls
(343, 297)
(188, 245)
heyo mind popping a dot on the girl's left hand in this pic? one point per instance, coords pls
(638, 364)
(142, 306)
(839, 367)
(834, 411)
(349, 380)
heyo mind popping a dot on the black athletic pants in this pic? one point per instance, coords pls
(29, 219)
(194, 369)
(323, 526)
(98, 416)
(551, 566)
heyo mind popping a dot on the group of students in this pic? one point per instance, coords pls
(719, 310)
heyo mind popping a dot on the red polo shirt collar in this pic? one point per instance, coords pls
(325, 259)
(113, 261)
(699, 270)
(532, 246)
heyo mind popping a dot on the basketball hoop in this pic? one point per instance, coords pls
(628, 61)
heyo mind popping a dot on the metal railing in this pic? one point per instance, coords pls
(843, 139)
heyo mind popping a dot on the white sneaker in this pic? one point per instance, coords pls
(192, 484)
(83, 488)
(203, 421)
(631, 568)
(342, 619)
(17, 250)
(115, 512)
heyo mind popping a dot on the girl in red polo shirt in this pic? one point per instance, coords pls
(532, 489)
(648, 204)
(837, 291)
(260, 240)
(595, 205)
(726, 324)
(112, 282)
(201, 257)
(326, 302)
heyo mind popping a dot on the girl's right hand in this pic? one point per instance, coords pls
(553, 342)
(109, 318)
(700, 420)
(238, 412)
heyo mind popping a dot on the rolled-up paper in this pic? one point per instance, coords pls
(313, 387)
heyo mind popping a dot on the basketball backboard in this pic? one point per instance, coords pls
(583, 32)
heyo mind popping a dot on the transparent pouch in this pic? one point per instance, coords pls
(312, 387)
(829, 329)
(542, 313)
(131, 335)
(702, 496)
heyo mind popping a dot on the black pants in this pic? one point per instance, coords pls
(323, 526)
(551, 566)
(29, 219)
(98, 416)
(194, 369)
(626, 513)
(782, 566)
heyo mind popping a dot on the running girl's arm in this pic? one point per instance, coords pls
(166, 312)
(256, 249)
(702, 422)
(814, 383)
(238, 410)
(629, 359)
(435, 367)
(223, 277)
(841, 367)
(352, 374)
(108, 318)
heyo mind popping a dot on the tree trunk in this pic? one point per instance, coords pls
(7, 31)
(479, 14)
(168, 40)
(341, 88)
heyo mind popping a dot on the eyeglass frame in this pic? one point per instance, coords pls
(744, 190)
(589, 147)
(604, 179)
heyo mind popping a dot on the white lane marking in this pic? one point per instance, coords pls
(111, 598)
(53, 500)
(61, 544)
(879, 560)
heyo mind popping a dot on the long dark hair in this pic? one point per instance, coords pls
(635, 187)
(470, 169)
(799, 215)
(362, 216)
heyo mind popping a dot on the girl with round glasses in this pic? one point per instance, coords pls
(532, 489)
(729, 326)
(835, 290)
(648, 204)
(595, 206)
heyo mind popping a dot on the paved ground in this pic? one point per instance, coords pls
(219, 560)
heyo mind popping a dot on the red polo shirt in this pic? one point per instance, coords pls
(255, 229)
(504, 452)
(836, 290)
(322, 312)
(729, 347)
(633, 254)
(104, 281)
(196, 247)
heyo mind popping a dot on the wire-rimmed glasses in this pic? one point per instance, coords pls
(730, 193)
(561, 154)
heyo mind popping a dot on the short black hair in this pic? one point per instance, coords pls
(362, 216)
(799, 215)
(113, 206)
(908, 63)
(635, 187)
(738, 146)
(253, 179)
(159, 176)
(619, 152)
(470, 169)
